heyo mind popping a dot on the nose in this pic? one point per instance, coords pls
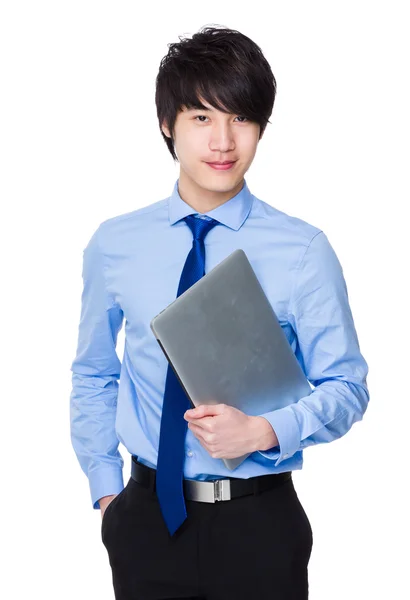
(222, 138)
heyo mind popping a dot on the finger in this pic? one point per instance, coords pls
(206, 423)
(206, 439)
(197, 431)
(204, 410)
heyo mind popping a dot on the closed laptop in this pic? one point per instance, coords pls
(225, 344)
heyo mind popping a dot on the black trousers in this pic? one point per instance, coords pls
(254, 547)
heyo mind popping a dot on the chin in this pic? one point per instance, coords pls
(225, 179)
(219, 186)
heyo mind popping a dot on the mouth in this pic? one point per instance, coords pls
(222, 166)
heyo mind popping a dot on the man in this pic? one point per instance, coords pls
(166, 537)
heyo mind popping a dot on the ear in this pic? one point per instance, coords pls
(165, 129)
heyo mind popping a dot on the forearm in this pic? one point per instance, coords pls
(324, 416)
(93, 408)
(264, 434)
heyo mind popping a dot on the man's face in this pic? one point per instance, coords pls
(203, 136)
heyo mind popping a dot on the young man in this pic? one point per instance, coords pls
(165, 534)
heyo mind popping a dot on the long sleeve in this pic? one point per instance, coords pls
(95, 373)
(328, 351)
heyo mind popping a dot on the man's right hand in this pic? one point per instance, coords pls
(104, 502)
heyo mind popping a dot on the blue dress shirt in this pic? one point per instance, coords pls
(131, 268)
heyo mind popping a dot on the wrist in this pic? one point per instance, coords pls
(265, 436)
(105, 500)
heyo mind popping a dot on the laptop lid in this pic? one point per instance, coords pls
(225, 344)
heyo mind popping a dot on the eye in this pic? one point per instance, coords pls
(238, 117)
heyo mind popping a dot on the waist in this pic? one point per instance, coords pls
(211, 491)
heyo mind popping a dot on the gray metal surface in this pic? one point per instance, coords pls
(226, 345)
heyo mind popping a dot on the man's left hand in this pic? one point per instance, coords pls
(223, 430)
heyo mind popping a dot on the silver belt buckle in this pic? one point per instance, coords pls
(208, 491)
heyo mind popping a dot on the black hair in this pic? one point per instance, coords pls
(222, 66)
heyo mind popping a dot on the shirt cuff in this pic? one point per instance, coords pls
(104, 482)
(286, 427)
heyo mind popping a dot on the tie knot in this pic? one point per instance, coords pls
(200, 227)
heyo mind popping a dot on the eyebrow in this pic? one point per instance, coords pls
(203, 109)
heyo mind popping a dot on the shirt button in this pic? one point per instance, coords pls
(190, 453)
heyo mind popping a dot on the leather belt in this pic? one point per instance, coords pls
(214, 490)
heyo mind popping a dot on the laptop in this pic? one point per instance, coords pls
(225, 344)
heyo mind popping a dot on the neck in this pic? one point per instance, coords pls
(203, 200)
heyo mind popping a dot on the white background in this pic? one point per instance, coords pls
(80, 143)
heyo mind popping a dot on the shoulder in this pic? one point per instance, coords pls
(119, 228)
(139, 216)
(294, 229)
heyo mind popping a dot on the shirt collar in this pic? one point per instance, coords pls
(232, 213)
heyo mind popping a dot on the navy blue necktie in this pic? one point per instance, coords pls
(171, 451)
